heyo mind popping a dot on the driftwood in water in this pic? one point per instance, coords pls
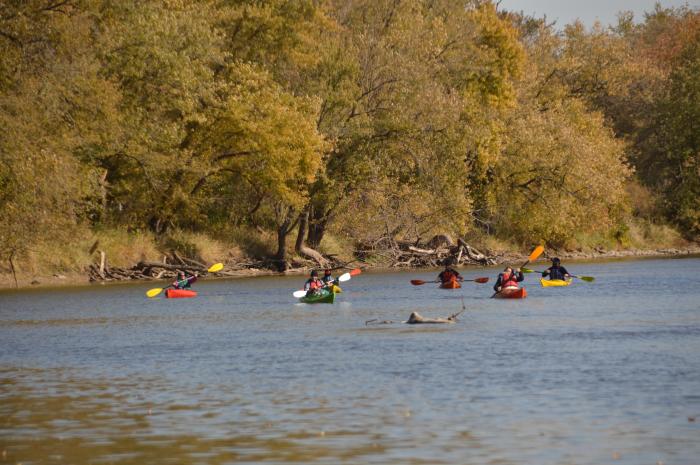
(438, 251)
(417, 319)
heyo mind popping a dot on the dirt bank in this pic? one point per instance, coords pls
(79, 279)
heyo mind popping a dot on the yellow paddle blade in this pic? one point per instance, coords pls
(216, 267)
(535, 253)
(154, 292)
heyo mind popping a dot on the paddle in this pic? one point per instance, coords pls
(157, 290)
(419, 282)
(342, 278)
(536, 252)
(588, 279)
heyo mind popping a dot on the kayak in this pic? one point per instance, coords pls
(336, 289)
(451, 284)
(511, 293)
(554, 282)
(179, 293)
(324, 297)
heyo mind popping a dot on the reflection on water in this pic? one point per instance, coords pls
(589, 374)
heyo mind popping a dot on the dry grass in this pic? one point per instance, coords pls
(644, 234)
(342, 248)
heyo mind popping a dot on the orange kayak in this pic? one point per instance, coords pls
(451, 284)
(179, 293)
(511, 293)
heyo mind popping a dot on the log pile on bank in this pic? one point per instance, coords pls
(101, 271)
(438, 251)
(167, 269)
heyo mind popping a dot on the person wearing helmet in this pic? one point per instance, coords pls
(313, 285)
(184, 282)
(449, 273)
(508, 279)
(556, 271)
(327, 278)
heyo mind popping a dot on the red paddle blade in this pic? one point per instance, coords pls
(355, 272)
(481, 280)
(417, 282)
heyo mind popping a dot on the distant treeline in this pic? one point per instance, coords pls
(364, 118)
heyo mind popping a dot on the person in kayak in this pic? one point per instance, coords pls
(556, 271)
(328, 278)
(313, 285)
(509, 278)
(449, 273)
(184, 282)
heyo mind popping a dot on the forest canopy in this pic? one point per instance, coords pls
(358, 119)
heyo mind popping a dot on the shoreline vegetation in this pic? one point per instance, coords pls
(100, 272)
(141, 137)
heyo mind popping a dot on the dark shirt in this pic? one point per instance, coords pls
(555, 272)
(518, 277)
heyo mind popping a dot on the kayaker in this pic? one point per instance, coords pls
(328, 278)
(313, 285)
(556, 271)
(508, 278)
(184, 282)
(448, 274)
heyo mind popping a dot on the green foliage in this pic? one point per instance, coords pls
(561, 171)
(674, 165)
(376, 118)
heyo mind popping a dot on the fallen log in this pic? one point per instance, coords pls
(167, 266)
(416, 318)
(314, 255)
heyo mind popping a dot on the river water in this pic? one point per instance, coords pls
(599, 373)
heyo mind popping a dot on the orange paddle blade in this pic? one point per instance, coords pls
(355, 272)
(481, 280)
(417, 282)
(535, 253)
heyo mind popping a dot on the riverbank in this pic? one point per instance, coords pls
(25, 281)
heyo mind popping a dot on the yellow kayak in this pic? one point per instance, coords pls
(554, 282)
(336, 289)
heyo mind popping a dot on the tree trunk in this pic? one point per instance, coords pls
(281, 255)
(282, 232)
(12, 267)
(303, 224)
(318, 219)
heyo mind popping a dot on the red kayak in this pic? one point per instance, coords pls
(451, 284)
(179, 293)
(511, 293)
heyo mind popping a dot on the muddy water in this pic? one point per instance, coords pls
(597, 373)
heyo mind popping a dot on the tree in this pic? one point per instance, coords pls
(672, 164)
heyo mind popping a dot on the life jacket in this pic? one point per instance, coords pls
(447, 276)
(510, 280)
(314, 284)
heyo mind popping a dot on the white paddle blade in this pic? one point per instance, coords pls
(344, 277)
(299, 294)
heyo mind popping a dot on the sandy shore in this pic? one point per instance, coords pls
(80, 279)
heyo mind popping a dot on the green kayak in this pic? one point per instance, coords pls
(324, 297)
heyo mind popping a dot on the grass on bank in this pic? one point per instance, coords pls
(75, 253)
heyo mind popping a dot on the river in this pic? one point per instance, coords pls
(596, 373)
